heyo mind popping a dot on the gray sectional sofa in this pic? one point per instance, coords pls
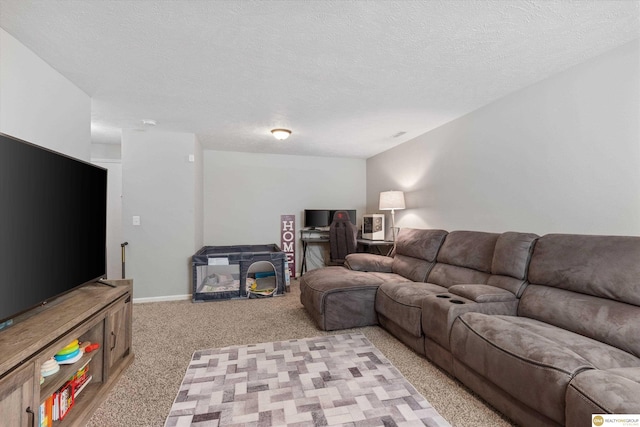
(546, 329)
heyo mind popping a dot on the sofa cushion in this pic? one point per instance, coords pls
(611, 322)
(389, 277)
(510, 351)
(416, 252)
(613, 391)
(511, 284)
(512, 254)
(482, 293)
(449, 275)
(402, 303)
(470, 249)
(593, 265)
(411, 268)
(369, 262)
(338, 298)
(420, 243)
(318, 283)
(465, 257)
(510, 263)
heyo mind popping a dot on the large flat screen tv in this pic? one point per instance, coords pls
(53, 218)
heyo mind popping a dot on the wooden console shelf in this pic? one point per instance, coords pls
(96, 313)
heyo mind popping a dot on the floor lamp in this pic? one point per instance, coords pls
(390, 201)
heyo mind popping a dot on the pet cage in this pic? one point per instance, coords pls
(225, 272)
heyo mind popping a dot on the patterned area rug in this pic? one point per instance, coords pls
(329, 380)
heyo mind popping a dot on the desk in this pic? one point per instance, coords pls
(322, 237)
(313, 237)
(368, 245)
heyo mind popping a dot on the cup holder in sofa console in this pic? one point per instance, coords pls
(457, 301)
(443, 296)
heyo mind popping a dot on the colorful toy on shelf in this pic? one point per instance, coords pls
(71, 360)
(69, 354)
(91, 347)
(88, 347)
(73, 344)
(49, 368)
(71, 348)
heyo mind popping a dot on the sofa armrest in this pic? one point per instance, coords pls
(369, 262)
(441, 310)
(482, 293)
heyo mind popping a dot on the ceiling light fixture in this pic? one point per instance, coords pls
(149, 122)
(281, 134)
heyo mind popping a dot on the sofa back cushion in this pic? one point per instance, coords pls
(587, 284)
(416, 252)
(602, 266)
(510, 263)
(465, 257)
(604, 320)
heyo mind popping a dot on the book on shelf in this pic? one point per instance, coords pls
(46, 412)
(81, 386)
(81, 376)
(66, 399)
(56, 406)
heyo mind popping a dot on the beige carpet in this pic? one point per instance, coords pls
(165, 335)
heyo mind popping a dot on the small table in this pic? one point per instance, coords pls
(313, 237)
(377, 245)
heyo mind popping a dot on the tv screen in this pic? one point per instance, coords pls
(52, 225)
(314, 218)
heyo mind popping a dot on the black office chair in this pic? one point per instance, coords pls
(342, 238)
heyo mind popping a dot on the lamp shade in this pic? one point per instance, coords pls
(390, 200)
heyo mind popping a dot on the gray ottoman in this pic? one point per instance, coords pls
(339, 298)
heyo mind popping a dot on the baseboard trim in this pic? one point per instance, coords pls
(164, 298)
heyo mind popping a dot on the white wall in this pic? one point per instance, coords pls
(38, 105)
(108, 156)
(562, 155)
(198, 187)
(245, 194)
(114, 216)
(159, 185)
(106, 151)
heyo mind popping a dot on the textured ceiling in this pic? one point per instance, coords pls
(346, 76)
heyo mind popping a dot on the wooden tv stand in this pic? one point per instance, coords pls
(95, 313)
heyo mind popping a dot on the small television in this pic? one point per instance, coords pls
(316, 218)
(53, 222)
(319, 218)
